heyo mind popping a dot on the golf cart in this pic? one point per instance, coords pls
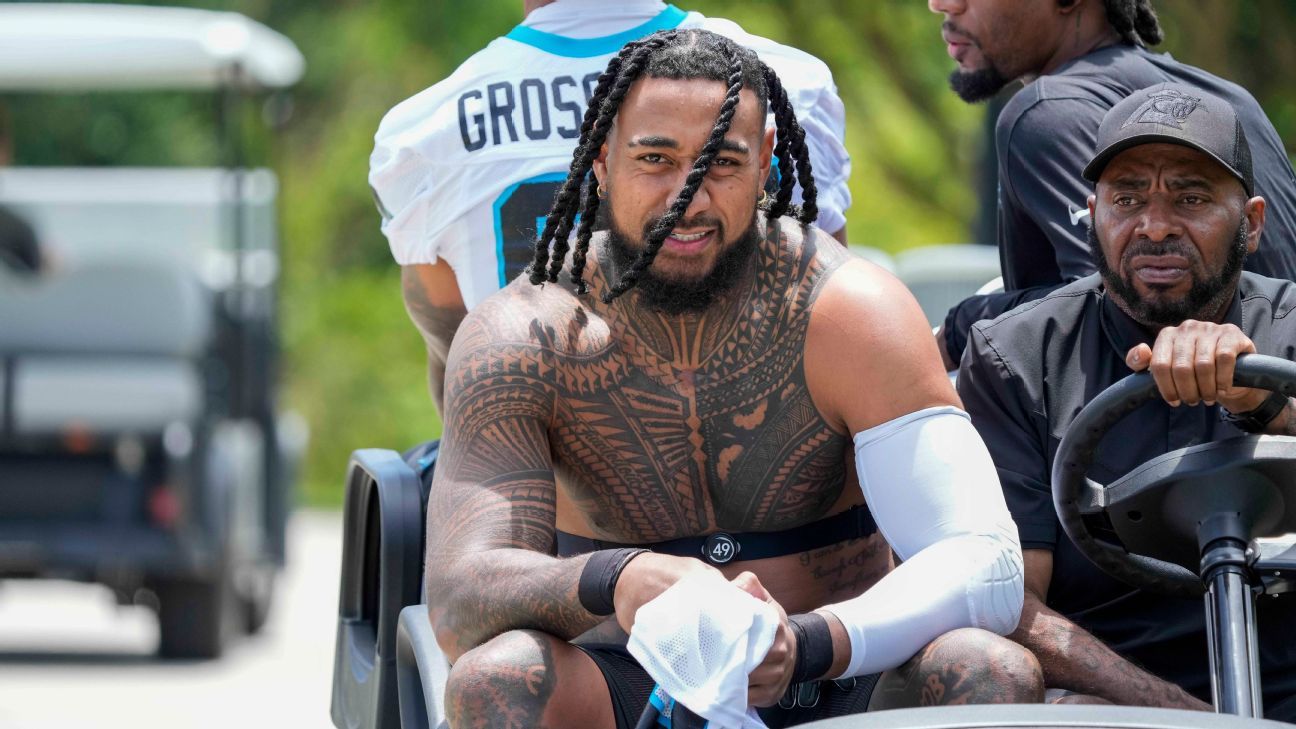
(140, 442)
(1185, 533)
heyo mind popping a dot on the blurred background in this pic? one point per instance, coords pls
(352, 365)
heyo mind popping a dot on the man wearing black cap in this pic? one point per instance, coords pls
(1078, 58)
(1174, 219)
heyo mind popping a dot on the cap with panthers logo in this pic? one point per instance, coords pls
(1175, 114)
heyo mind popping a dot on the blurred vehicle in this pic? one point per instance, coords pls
(140, 442)
(940, 276)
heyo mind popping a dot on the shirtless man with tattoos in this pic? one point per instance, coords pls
(710, 379)
(461, 170)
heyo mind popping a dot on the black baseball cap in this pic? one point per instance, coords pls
(1175, 114)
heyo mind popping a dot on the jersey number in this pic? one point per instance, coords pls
(519, 217)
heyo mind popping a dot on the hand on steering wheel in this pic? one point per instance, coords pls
(1076, 498)
(1194, 362)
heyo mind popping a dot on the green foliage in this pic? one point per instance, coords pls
(355, 366)
(114, 128)
(355, 370)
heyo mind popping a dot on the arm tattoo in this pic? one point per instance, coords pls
(491, 510)
(1075, 660)
(513, 693)
(437, 324)
(950, 671)
(847, 569)
(947, 685)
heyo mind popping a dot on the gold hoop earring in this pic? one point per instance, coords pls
(598, 190)
(764, 199)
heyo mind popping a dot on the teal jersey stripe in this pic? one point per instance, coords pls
(523, 226)
(561, 45)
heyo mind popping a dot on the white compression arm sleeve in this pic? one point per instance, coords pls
(935, 495)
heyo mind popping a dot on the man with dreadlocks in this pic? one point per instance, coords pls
(1078, 58)
(700, 388)
(462, 170)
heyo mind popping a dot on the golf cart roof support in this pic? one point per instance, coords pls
(76, 47)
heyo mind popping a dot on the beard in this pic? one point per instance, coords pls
(672, 295)
(1203, 301)
(978, 85)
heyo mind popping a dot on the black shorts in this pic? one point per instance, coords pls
(630, 686)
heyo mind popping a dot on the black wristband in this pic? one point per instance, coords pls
(1255, 421)
(599, 578)
(814, 647)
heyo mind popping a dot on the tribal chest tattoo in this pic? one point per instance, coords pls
(656, 426)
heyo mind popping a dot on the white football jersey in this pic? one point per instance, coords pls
(466, 170)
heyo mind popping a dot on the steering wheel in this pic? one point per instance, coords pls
(1080, 501)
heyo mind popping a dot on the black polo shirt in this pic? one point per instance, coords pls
(1024, 378)
(1046, 135)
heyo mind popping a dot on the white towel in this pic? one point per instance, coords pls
(699, 640)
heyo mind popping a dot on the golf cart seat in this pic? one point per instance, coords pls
(108, 349)
(942, 276)
(382, 565)
(421, 671)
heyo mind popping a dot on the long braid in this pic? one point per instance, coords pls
(589, 151)
(1146, 23)
(1135, 20)
(793, 155)
(786, 167)
(1120, 14)
(612, 87)
(598, 109)
(565, 202)
(809, 193)
(588, 214)
(694, 180)
(801, 153)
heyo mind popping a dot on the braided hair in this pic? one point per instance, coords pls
(676, 54)
(1135, 20)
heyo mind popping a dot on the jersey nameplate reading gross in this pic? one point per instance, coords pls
(532, 109)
